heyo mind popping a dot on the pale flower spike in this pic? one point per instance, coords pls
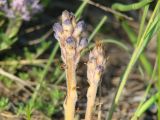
(95, 69)
(70, 29)
(69, 36)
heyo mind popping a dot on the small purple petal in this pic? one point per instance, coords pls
(80, 25)
(56, 36)
(70, 40)
(67, 25)
(57, 27)
(83, 42)
(67, 22)
(79, 29)
(100, 68)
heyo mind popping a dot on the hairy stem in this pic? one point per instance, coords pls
(95, 68)
(70, 102)
(91, 96)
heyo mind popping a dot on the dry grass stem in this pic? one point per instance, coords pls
(15, 79)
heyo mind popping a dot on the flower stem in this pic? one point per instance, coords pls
(70, 102)
(91, 96)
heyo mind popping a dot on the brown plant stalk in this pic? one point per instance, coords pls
(69, 35)
(95, 68)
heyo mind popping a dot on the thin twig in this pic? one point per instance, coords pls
(24, 62)
(107, 9)
(15, 78)
(44, 37)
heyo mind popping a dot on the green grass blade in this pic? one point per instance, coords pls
(158, 82)
(142, 23)
(31, 103)
(131, 34)
(62, 76)
(13, 27)
(54, 51)
(134, 6)
(112, 41)
(132, 37)
(146, 92)
(148, 33)
(100, 24)
(81, 9)
(147, 104)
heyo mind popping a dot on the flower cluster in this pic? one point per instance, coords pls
(23, 9)
(69, 35)
(96, 64)
(2, 2)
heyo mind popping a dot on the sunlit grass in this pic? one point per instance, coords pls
(151, 28)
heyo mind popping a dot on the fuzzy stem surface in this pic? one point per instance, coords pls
(70, 102)
(91, 96)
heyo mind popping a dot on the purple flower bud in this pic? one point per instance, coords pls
(100, 68)
(83, 42)
(57, 28)
(67, 22)
(70, 40)
(80, 25)
(67, 25)
(56, 36)
(79, 28)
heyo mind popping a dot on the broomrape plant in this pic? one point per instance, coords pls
(71, 43)
(95, 68)
(71, 40)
